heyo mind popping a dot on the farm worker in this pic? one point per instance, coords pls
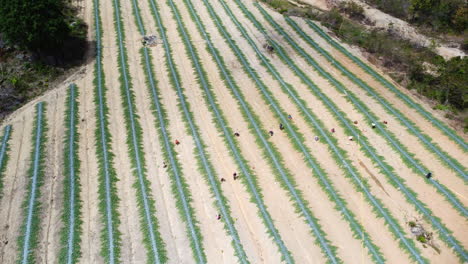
(218, 217)
(223, 180)
(271, 133)
(164, 165)
(428, 175)
(177, 142)
(355, 122)
(236, 134)
(316, 138)
(289, 117)
(332, 130)
(350, 138)
(235, 176)
(281, 127)
(385, 122)
(373, 125)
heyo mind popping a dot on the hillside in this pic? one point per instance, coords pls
(238, 136)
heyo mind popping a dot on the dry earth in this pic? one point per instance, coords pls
(252, 230)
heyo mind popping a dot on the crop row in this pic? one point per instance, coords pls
(247, 179)
(149, 224)
(407, 157)
(275, 160)
(444, 157)
(203, 82)
(27, 241)
(4, 154)
(70, 235)
(179, 186)
(338, 154)
(395, 180)
(340, 204)
(108, 199)
(449, 132)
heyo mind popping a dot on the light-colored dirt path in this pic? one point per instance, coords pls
(133, 250)
(51, 199)
(92, 224)
(15, 182)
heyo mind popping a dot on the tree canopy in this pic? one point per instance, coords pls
(37, 25)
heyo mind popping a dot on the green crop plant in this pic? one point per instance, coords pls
(156, 252)
(27, 241)
(108, 199)
(4, 148)
(339, 154)
(70, 234)
(428, 116)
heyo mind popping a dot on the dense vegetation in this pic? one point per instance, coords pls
(438, 15)
(36, 38)
(413, 66)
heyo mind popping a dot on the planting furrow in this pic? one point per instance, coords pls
(428, 116)
(4, 155)
(207, 87)
(338, 153)
(407, 157)
(29, 231)
(339, 202)
(71, 217)
(179, 185)
(108, 200)
(448, 161)
(152, 238)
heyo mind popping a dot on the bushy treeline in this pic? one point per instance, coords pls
(42, 26)
(439, 15)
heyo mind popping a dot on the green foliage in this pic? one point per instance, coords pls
(421, 239)
(35, 25)
(149, 225)
(439, 14)
(449, 86)
(70, 234)
(353, 9)
(412, 224)
(28, 240)
(108, 199)
(397, 8)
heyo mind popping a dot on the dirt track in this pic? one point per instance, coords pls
(280, 203)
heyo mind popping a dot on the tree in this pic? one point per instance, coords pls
(37, 25)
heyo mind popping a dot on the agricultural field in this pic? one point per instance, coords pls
(214, 131)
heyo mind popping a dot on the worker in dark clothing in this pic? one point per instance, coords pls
(236, 134)
(223, 180)
(428, 175)
(385, 122)
(281, 127)
(289, 117)
(235, 176)
(177, 142)
(373, 125)
(271, 133)
(218, 217)
(164, 165)
(332, 130)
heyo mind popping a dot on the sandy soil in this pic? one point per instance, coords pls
(258, 245)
